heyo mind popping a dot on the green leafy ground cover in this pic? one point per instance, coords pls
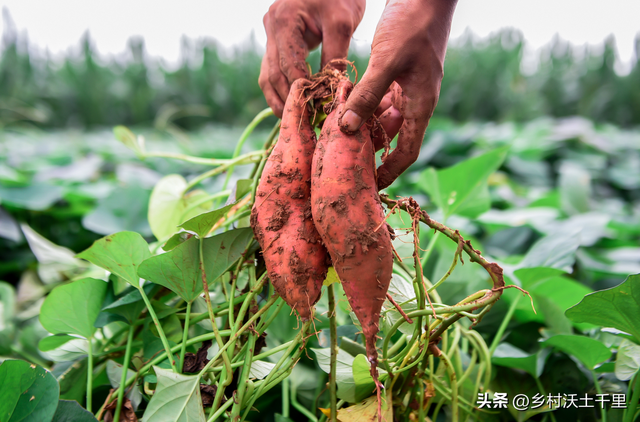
(555, 202)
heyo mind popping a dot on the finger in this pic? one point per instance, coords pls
(366, 95)
(273, 99)
(335, 44)
(384, 104)
(277, 79)
(417, 111)
(390, 120)
(291, 46)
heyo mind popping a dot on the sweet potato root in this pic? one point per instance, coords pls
(281, 218)
(349, 217)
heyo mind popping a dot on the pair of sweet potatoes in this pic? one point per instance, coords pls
(321, 197)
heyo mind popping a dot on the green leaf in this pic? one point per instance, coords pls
(332, 277)
(71, 411)
(627, 360)
(555, 251)
(53, 342)
(177, 398)
(344, 373)
(36, 197)
(130, 305)
(260, 369)
(243, 187)
(512, 357)
(73, 308)
(202, 224)
(462, 187)
(72, 378)
(119, 253)
(618, 307)
(124, 209)
(175, 240)
(168, 205)
(575, 188)
(552, 296)
(179, 269)
(114, 372)
(587, 350)
(353, 378)
(29, 392)
(7, 310)
(55, 263)
(362, 378)
(530, 276)
(124, 135)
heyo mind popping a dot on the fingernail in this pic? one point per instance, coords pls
(351, 121)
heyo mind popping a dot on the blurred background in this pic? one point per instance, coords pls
(559, 81)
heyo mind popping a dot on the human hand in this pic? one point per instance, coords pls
(409, 48)
(293, 28)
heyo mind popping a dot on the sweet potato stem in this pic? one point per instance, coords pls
(243, 138)
(334, 353)
(125, 370)
(227, 376)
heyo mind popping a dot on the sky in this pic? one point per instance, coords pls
(58, 25)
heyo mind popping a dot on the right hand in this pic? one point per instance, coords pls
(409, 48)
(293, 28)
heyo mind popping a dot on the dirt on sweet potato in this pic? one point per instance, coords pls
(295, 258)
(349, 217)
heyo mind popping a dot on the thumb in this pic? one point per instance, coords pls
(366, 96)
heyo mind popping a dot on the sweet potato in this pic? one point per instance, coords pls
(349, 217)
(281, 219)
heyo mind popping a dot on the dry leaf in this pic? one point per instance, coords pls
(365, 411)
(126, 413)
(194, 362)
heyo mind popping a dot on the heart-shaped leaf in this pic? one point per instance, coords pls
(179, 269)
(618, 307)
(120, 253)
(73, 308)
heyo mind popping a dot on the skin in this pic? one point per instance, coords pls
(402, 82)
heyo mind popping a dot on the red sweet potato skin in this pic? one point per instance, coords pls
(281, 217)
(349, 217)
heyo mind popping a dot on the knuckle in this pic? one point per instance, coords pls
(366, 98)
(343, 27)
